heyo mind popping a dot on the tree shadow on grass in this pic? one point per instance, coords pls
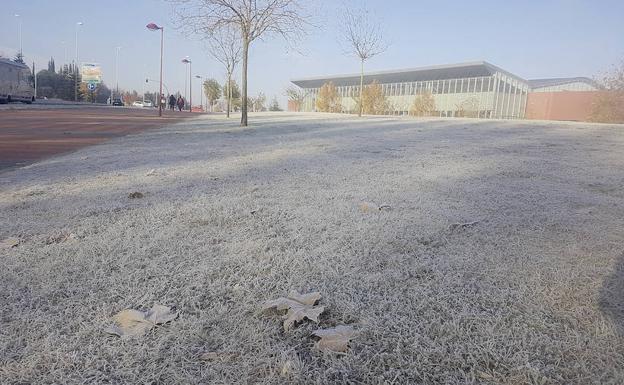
(612, 296)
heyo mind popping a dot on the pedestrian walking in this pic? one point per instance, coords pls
(180, 103)
(172, 102)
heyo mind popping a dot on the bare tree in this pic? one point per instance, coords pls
(225, 46)
(608, 106)
(364, 40)
(253, 18)
(297, 96)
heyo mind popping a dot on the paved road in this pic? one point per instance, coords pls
(28, 135)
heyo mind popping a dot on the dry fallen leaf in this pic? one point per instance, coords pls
(299, 306)
(334, 340)
(136, 195)
(130, 323)
(9, 243)
(366, 207)
(219, 356)
(160, 314)
(458, 226)
(61, 237)
(306, 299)
(151, 172)
(298, 312)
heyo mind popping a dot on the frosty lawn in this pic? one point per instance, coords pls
(458, 250)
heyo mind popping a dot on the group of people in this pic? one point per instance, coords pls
(179, 102)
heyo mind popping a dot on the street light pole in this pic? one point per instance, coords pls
(154, 27)
(19, 33)
(117, 69)
(201, 93)
(186, 60)
(76, 72)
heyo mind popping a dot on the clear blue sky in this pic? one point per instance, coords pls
(531, 38)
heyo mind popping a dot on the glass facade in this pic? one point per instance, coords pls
(498, 96)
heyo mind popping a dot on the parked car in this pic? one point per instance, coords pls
(138, 103)
(118, 102)
(148, 103)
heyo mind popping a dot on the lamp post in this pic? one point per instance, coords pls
(186, 60)
(154, 27)
(201, 90)
(78, 24)
(117, 69)
(19, 33)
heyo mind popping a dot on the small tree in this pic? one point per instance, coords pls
(374, 101)
(254, 19)
(328, 99)
(424, 105)
(364, 39)
(609, 104)
(212, 90)
(225, 46)
(234, 95)
(297, 96)
(468, 108)
(259, 102)
(275, 105)
(19, 58)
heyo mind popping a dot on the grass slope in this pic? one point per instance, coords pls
(531, 294)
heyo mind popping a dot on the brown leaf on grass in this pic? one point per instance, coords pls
(366, 207)
(136, 195)
(459, 226)
(9, 243)
(61, 237)
(134, 323)
(151, 172)
(299, 306)
(306, 299)
(299, 312)
(129, 323)
(219, 356)
(160, 314)
(334, 340)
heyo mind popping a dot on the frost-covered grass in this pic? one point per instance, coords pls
(531, 294)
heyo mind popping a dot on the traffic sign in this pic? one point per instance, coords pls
(91, 86)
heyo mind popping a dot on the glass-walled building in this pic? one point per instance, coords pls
(475, 89)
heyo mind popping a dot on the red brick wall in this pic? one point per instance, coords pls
(293, 106)
(565, 105)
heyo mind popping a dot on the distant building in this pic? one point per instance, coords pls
(477, 89)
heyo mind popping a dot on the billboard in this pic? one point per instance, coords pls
(91, 73)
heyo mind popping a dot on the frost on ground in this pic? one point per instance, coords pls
(498, 256)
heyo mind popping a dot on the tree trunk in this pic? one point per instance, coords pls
(244, 101)
(361, 90)
(229, 94)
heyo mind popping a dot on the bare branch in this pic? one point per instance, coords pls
(362, 35)
(254, 19)
(225, 47)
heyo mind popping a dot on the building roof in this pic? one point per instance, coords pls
(541, 83)
(438, 72)
(11, 62)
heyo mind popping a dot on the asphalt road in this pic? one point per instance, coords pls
(31, 134)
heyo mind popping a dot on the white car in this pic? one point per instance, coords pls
(137, 104)
(147, 103)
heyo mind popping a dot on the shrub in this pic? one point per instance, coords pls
(374, 101)
(328, 99)
(424, 105)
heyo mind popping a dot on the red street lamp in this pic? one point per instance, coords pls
(186, 60)
(154, 27)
